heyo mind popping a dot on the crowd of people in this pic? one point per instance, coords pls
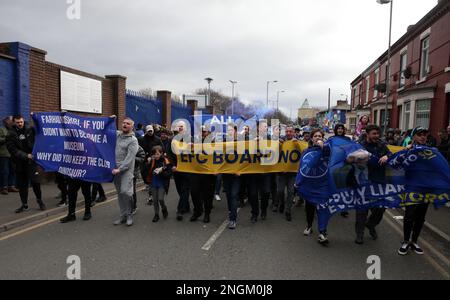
(145, 152)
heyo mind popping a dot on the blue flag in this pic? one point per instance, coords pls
(79, 147)
(355, 180)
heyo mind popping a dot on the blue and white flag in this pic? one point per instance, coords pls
(78, 147)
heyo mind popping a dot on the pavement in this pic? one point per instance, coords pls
(271, 249)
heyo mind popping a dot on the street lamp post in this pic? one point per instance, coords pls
(232, 96)
(209, 90)
(278, 99)
(388, 71)
(268, 82)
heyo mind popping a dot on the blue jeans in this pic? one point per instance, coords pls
(7, 176)
(231, 183)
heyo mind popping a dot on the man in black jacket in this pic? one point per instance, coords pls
(373, 144)
(20, 143)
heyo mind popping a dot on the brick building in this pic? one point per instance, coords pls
(29, 83)
(420, 77)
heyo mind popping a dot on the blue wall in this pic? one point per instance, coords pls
(7, 87)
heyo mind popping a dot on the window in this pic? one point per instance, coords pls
(383, 118)
(423, 113)
(424, 57)
(403, 62)
(375, 117)
(377, 81)
(406, 116)
(367, 89)
(354, 98)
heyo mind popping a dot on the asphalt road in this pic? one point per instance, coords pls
(270, 249)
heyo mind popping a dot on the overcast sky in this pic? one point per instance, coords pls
(308, 46)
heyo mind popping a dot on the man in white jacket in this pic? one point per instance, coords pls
(126, 149)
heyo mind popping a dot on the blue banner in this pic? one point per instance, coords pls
(78, 147)
(352, 178)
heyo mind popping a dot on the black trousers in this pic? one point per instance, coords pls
(310, 210)
(24, 175)
(259, 187)
(202, 192)
(182, 184)
(413, 221)
(375, 218)
(97, 188)
(74, 187)
(63, 185)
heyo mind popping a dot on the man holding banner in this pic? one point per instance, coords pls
(126, 149)
(376, 173)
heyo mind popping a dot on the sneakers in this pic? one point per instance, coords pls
(288, 217)
(323, 239)
(4, 191)
(155, 219)
(281, 209)
(22, 209)
(150, 200)
(87, 216)
(129, 221)
(232, 225)
(67, 219)
(194, 217)
(134, 211)
(179, 217)
(307, 231)
(404, 248)
(359, 240)
(372, 232)
(275, 209)
(41, 205)
(254, 219)
(206, 219)
(120, 222)
(13, 189)
(263, 215)
(217, 196)
(101, 199)
(165, 213)
(62, 203)
(416, 248)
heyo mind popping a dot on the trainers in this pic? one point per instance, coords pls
(275, 209)
(232, 225)
(217, 196)
(155, 219)
(129, 221)
(87, 216)
(179, 217)
(67, 219)
(119, 221)
(359, 240)
(4, 191)
(372, 232)
(281, 209)
(165, 213)
(263, 215)
(288, 217)
(150, 200)
(323, 239)
(134, 211)
(62, 203)
(416, 248)
(206, 219)
(101, 199)
(307, 231)
(194, 217)
(404, 248)
(13, 189)
(41, 205)
(21, 209)
(254, 219)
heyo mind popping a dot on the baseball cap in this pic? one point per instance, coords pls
(148, 128)
(418, 129)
